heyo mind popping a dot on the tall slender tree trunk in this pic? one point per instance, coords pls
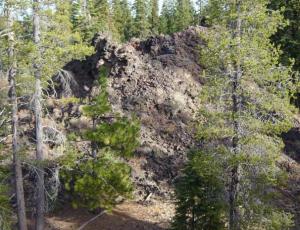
(21, 212)
(84, 8)
(40, 202)
(1, 71)
(234, 215)
(94, 144)
(200, 12)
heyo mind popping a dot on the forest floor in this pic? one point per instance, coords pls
(126, 216)
(157, 213)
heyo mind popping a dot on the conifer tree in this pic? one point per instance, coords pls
(5, 206)
(12, 72)
(245, 109)
(91, 16)
(6, 211)
(8, 119)
(50, 51)
(40, 201)
(199, 193)
(80, 18)
(154, 17)
(122, 19)
(167, 17)
(118, 20)
(288, 37)
(184, 14)
(199, 19)
(141, 24)
(120, 135)
(100, 15)
(99, 179)
(128, 20)
(76, 16)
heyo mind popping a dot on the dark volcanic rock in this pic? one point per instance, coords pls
(158, 80)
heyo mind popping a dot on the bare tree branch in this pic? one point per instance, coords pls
(91, 220)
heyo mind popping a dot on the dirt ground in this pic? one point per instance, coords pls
(127, 216)
(157, 213)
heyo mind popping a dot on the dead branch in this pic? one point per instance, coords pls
(66, 79)
(3, 139)
(91, 220)
(4, 32)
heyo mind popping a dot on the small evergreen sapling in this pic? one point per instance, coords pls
(200, 194)
(99, 180)
(96, 182)
(6, 211)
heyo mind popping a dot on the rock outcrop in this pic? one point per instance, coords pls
(158, 80)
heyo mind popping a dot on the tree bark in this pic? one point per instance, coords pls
(234, 215)
(93, 143)
(40, 202)
(84, 8)
(21, 211)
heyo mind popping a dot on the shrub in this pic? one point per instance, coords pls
(98, 182)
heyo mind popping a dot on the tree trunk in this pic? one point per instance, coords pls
(200, 12)
(234, 182)
(40, 202)
(234, 215)
(84, 8)
(94, 144)
(21, 212)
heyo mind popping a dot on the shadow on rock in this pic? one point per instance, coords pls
(291, 140)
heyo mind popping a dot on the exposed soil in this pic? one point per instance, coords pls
(126, 216)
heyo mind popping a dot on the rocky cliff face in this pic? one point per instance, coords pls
(158, 80)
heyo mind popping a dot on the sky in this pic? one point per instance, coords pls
(160, 2)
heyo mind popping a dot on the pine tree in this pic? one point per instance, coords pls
(200, 194)
(40, 201)
(184, 14)
(245, 109)
(128, 20)
(288, 37)
(90, 16)
(100, 15)
(141, 25)
(122, 19)
(60, 48)
(118, 20)
(50, 51)
(99, 179)
(6, 211)
(120, 135)
(12, 72)
(200, 17)
(80, 18)
(167, 17)
(76, 16)
(5, 206)
(95, 183)
(154, 17)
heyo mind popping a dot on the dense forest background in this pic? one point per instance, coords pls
(250, 63)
